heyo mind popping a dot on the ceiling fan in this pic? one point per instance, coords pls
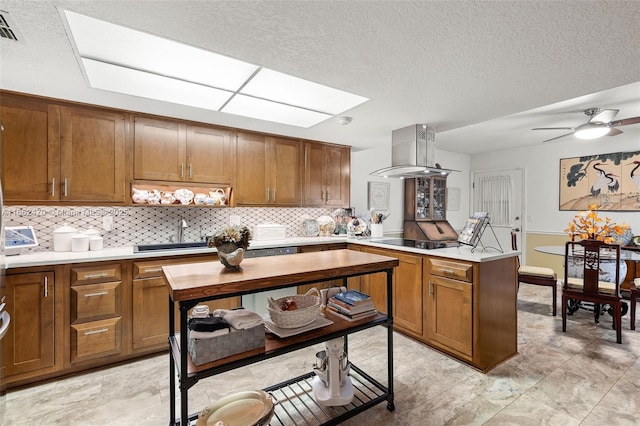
(599, 125)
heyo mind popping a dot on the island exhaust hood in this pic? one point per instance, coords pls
(413, 154)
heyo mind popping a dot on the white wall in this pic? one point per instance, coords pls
(542, 175)
(364, 162)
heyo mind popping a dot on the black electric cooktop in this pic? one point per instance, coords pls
(421, 244)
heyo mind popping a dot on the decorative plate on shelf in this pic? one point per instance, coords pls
(310, 228)
(326, 225)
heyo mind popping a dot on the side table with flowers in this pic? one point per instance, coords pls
(231, 243)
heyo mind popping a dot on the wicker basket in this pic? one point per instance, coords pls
(306, 313)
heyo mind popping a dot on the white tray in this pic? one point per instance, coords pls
(288, 332)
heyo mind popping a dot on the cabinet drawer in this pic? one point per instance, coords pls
(92, 274)
(96, 301)
(455, 270)
(95, 339)
(153, 268)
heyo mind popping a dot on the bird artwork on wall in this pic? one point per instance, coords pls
(612, 181)
(605, 184)
(635, 178)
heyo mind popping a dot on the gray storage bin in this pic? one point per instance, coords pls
(238, 341)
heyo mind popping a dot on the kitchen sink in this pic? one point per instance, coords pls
(169, 246)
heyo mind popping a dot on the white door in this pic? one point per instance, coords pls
(501, 193)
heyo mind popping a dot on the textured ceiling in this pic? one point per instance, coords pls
(482, 73)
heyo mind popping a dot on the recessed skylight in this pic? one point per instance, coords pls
(136, 63)
(273, 111)
(269, 84)
(139, 83)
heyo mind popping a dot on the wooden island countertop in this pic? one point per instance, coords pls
(212, 280)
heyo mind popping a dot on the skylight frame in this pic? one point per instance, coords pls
(158, 68)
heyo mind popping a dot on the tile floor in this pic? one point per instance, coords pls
(581, 377)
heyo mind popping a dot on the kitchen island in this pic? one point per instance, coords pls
(198, 282)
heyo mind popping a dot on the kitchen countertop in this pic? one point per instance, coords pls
(47, 258)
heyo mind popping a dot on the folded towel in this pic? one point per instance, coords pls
(208, 334)
(209, 323)
(239, 318)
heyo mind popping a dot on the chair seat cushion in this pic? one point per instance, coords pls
(537, 271)
(605, 287)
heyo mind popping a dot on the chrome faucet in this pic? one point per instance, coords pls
(181, 225)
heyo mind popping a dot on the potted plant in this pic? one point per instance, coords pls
(231, 242)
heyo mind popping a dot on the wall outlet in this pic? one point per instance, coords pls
(107, 223)
(234, 219)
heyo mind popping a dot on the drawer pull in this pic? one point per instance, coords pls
(100, 293)
(146, 271)
(100, 275)
(102, 330)
(448, 271)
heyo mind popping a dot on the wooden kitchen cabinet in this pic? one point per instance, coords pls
(426, 198)
(95, 327)
(149, 300)
(268, 171)
(30, 149)
(29, 345)
(175, 151)
(327, 174)
(407, 288)
(92, 156)
(54, 153)
(450, 305)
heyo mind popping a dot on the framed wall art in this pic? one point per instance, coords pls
(612, 181)
(378, 196)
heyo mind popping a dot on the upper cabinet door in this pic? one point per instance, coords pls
(159, 150)
(92, 155)
(337, 175)
(210, 155)
(30, 149)
(251, 186)
(284, 169)
(327, 175)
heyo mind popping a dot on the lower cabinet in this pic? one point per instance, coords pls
(450, 310)
(150, 298)
(95, 311)
(29, 345)
(407, 287)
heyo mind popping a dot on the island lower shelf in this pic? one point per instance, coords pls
(274, 346)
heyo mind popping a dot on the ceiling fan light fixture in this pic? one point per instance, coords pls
(592, 131)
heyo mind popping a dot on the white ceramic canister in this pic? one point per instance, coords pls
(80, 242)
(62, 237)
(91, 232)
(96, 243)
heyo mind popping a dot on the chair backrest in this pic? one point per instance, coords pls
(594, 265)
(514, 245)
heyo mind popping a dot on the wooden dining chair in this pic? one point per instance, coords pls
(536, 275)
(635, 293)
(592, 274)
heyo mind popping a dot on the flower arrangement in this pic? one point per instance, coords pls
(588, 225)
(236, 234)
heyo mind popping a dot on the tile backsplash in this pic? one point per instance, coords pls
(149, 225)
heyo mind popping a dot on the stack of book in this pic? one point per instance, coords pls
(351, 305)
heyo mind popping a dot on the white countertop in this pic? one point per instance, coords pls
(118, 253)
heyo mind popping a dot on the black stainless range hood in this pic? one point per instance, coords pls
(413, 154)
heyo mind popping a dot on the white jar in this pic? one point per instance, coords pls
(96, 243)
(91, 232)
(62, 237)
(80, 242)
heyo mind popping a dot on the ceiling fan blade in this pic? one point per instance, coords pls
(557, 137)
(614, 132)
(625, 121)
(554, 128)
(604, 116)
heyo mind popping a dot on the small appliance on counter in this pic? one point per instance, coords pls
(17, 238)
